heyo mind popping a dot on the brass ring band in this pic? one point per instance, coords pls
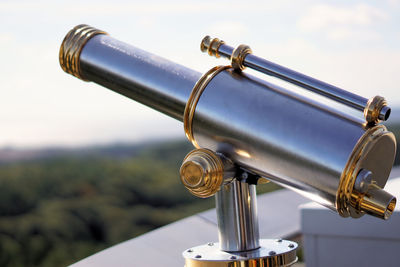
(238, 56)
(373, 108)
(194, 97)
(72, 46)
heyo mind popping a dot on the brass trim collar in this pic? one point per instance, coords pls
(376, 110)
(194, 97)
(72, 46)
(238, 56)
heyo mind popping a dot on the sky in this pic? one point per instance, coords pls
(351, 44)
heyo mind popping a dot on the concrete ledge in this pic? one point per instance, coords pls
(278, 218)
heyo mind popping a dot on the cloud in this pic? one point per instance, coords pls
(325, 16)
(6, 38)
(343, 23)
(343, 33)
(394, 2)
(227, 29)
(175, 7)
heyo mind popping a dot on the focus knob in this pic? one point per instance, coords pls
(202, 172)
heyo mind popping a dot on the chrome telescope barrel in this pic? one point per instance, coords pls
(333, 158)
(92, 55)
(375, 109)
(293, 141)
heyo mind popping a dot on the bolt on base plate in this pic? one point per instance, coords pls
(272, 252)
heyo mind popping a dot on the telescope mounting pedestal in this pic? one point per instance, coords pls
(236, 206)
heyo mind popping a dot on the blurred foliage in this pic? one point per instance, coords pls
(58, 209)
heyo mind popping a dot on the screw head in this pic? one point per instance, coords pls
(189, 250)
(291, 245)
(363, 180)
(233, 258)
(279, 240)
(198, 256)
(210, 244)
(271, 253)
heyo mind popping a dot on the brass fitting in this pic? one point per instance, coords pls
(211, 46)
(361, 186)
(194, 97)
(376, 202)
(238, 55)
(202, 172)
(72, 46)
(376, 110)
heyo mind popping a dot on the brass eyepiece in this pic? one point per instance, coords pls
(202, 172)
(376, 202)
(72, 46)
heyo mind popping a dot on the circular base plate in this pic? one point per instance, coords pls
(271, 253)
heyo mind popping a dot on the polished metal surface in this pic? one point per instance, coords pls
(236, 207)
(280, 135)
(291, 76)
(290, 139)
(272, 253)
(137, 74)
(307, 82)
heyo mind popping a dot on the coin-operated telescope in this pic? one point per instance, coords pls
(246, 130)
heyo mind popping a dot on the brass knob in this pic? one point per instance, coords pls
(202, 172)
(376, 110)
